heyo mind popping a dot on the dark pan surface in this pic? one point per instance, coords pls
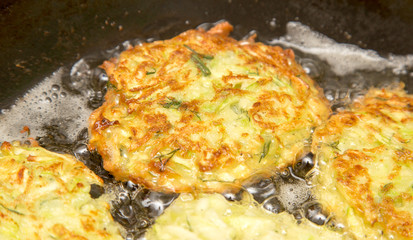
(38, 36)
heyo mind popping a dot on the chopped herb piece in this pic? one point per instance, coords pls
(189, 224)
(172, 103)
(123, 152)
(206, 56)
(265, 150)
(197, 115)
(164, 158)
(334, 145)
(196, 58)
(110, 85)
(11, 210)
(387, 187)
(234, 107)
(381, 99)
(237, 110)
(238, 85)
(153, 71)
(254, 73)
(201, 66)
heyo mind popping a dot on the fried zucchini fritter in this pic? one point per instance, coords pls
(211, 217)
(202, 112)
(45, 195)
(365, 158)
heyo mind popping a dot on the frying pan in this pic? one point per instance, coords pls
(38, 36)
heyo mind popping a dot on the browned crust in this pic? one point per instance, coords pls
(137, 94)
(387, 108)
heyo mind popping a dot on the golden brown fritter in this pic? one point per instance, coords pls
(211, 216)
(203, 112)
(365, 158)
(45, 195)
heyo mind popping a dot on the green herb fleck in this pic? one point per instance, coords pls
(123, 152)
(254, 73)
(153, 71)
(189, 224)
(11, 210)
(238, 85)
(197, 115)
(172, 103)
(110, 85)
(164, 158)
(201, 66)
(234, 107)
(381, 99)
(265, 150)
(206, 56)
(196, 58)
(237, 110)
(334, 145)
(387, 187)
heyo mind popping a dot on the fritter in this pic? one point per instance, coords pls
(211, 217)
(45, 195)
(203, 112)
(365, 160)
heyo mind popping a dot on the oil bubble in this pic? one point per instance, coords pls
(273, 205)
(313, 212)
(55, 87)
(157, 202)
(230, 196)
(303, 166)
(261, 189)
(311, 67)
(273, 23)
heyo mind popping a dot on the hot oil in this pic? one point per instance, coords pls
(57, 109)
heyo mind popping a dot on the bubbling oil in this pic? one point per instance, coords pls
(57, 110)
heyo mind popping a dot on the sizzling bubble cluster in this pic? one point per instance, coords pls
(288, 191)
